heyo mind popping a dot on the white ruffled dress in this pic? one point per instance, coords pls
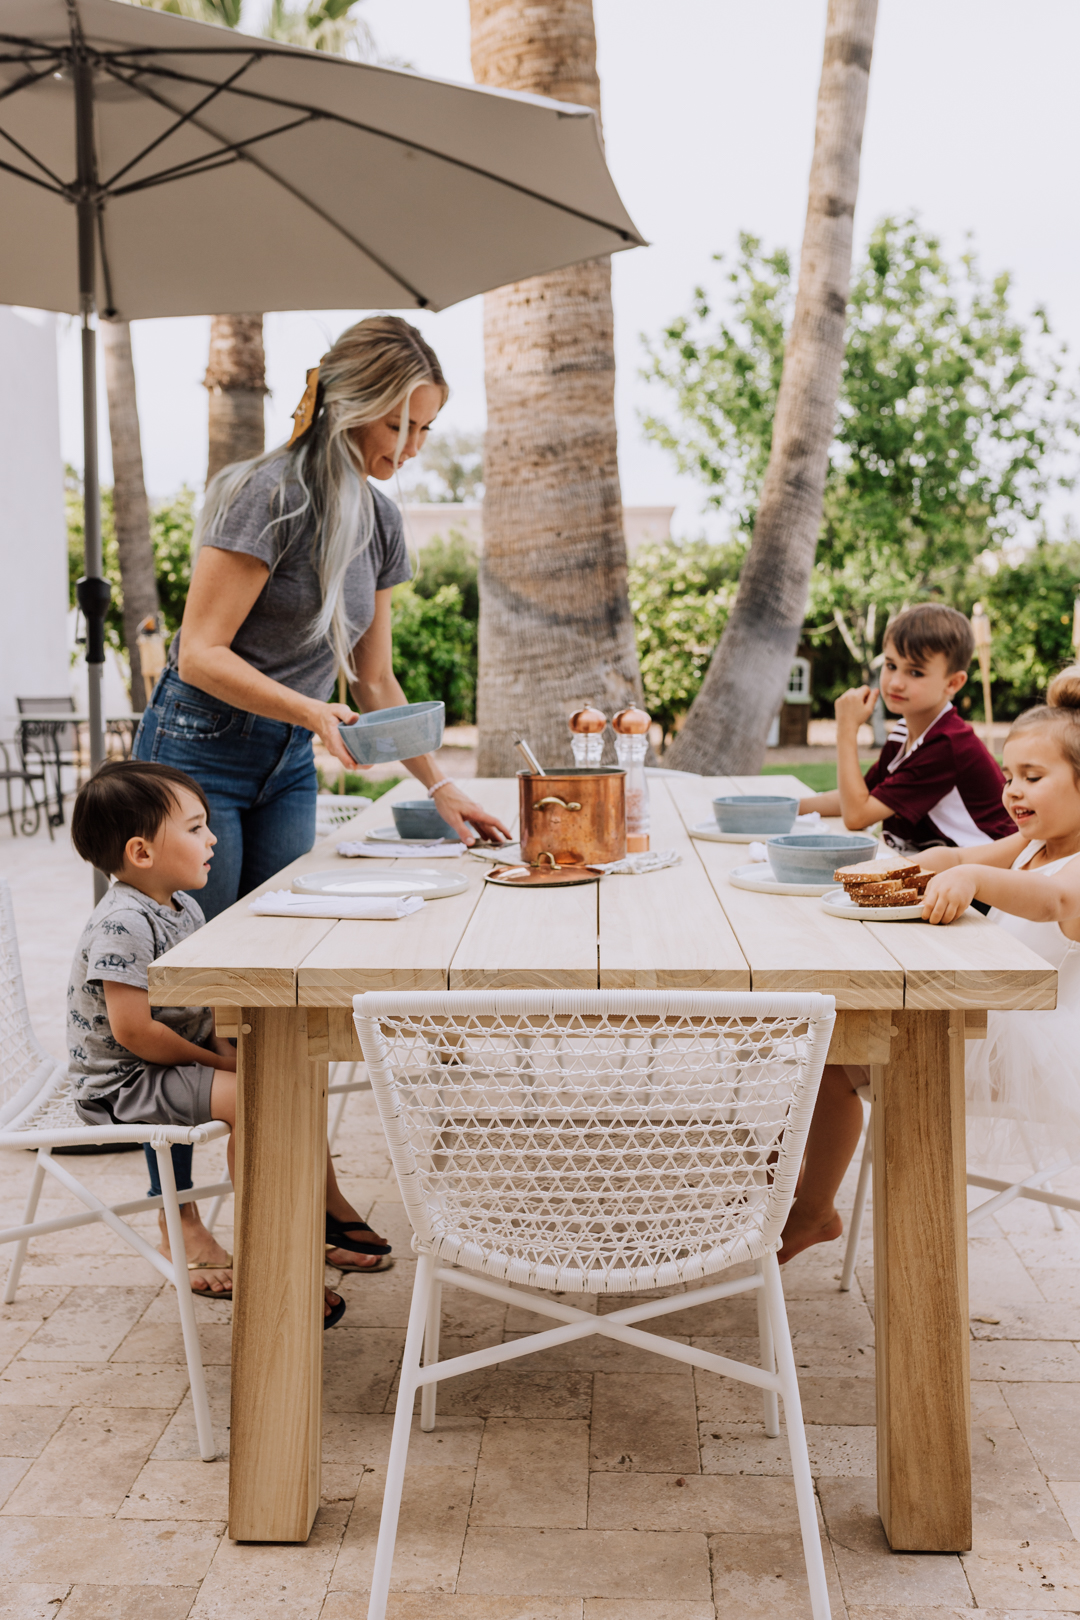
(1023, 1080)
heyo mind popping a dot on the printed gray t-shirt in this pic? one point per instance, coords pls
(273, 637)
(126, 932)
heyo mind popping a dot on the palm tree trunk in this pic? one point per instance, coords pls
(555, 622)
(726, 728)
(236, 381)
(130, 509)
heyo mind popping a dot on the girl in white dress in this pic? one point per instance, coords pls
(1023, 1080)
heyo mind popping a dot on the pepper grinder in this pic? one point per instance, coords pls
(587, 735)
(631, 728)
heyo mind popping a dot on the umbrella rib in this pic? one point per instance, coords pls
(382, 134)
(184, 118)
(29, 78)
(29, 156)
(214, 160)
(58, 191)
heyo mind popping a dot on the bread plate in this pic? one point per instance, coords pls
(759, 878)
(837, 904)
(382, 883)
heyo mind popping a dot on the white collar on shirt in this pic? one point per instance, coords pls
(899, 734)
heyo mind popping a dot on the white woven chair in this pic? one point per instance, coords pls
(1034, 1187)
(596, 1142)
(37, 1111)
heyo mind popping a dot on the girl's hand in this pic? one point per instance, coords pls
(949, 894)
(455, 806)
(324, 719)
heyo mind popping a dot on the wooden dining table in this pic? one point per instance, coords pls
(907, 997)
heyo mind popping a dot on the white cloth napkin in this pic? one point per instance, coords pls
(649, 860)
(284, 903)
(402, 852)
(808, 824)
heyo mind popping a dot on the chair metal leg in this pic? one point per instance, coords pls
(768, 1362)
(214, 1212)
(341, 1100)
(399, 1444)
(431, 1355)
(182, 1283)
(1056, 1217)
(862, 1193)
(800, 1457)
(28, 1218)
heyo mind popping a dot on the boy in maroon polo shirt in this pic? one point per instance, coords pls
(934, 781)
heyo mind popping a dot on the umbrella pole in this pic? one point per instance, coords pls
(92, 591)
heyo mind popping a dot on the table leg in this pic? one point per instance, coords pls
(279, 1270)
(920, 1287)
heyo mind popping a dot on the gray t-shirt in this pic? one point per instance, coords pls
(126, 932)
(273, 637)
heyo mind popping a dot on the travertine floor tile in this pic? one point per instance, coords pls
(258, 1581)
(12, 1470)
(627, 1609)
(836, 1450)
(73, 1383)
(1060, 1284)
(363, 1440)
(1010, 1497)
(179, 1439)
(1049, 1420)
(533, 1472)
(595, 1354)
(129, 1603)
(709, 1503)
(378, 1301)
(1045, 1321)
(645, 1421)
(843, 1401)
(163, 1343)
(455, 1606)
(585, 1563)
(89, 1325)
(31, 1601)
(509, 1392)
(860, 1611)
(1021, 1575)
(179, 1490)
(26, 1430)
(997, 1275)
(869, 1570)
(1023, 1361)
(764, 1578)
(88, 1466)
(989, 1408)
(1067, 1494)
(359, 1365)
(431, 1529)
(107, 1551)
(828, 1324)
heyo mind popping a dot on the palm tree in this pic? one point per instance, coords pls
(726, 728)
(555, 622)
(131, 512)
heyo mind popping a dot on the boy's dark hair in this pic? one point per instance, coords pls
(920, 632)
(125, 798)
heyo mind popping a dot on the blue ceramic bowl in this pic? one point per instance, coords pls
(760, 813)
(389, 734)
(813, 857)
(418, 818)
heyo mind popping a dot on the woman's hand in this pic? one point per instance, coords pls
(455, 806)
(324, 720)
(949, 894)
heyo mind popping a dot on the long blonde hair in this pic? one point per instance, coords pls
(1061, 711)
(372, 368)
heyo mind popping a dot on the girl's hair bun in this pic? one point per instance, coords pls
(1064, 690)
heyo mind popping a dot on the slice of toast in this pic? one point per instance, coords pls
(898, 897)
(888, 866)
(920, 880)
(887, 886)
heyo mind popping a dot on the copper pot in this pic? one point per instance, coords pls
(575, 817)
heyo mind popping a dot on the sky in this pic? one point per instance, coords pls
(708, 106)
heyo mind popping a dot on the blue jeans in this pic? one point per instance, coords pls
(259, 778)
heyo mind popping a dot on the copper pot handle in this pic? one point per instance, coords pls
(540, 803)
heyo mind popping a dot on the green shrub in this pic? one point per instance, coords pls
(680, 596)
(435, 649)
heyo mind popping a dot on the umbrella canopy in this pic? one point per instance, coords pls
(230, 173)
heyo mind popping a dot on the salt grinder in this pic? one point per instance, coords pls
(587, 735)
(631, 728)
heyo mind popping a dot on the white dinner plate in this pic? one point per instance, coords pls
(390, 835)
(710, 831)
(837, 904)
(759, 877)
(425, 881)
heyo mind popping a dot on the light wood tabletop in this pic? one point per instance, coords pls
(906, 995)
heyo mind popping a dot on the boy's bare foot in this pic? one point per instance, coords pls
(802, 1229)
(202, 1247)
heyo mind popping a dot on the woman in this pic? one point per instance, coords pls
(297, 556)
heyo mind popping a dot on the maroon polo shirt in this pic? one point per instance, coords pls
(947, 790)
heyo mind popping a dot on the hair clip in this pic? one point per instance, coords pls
(304, 414)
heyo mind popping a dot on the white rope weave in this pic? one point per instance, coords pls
(595, 1141)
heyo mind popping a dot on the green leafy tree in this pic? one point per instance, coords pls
(172, 528)
(452, 561)
(952, 425)
(1030, 605)
(680, 596)
(450, 468)
(435, 649)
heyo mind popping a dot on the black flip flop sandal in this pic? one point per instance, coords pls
(336, 1313)
(337, 1236)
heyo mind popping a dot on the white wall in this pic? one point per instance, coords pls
(426, 520)
(33, 555)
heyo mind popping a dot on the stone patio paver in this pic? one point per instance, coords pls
(685, 1511)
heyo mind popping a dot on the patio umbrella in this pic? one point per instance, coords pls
(154, 166)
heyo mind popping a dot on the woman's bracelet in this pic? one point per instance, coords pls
(446, 781)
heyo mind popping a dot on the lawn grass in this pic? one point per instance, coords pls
(819, 778)
(357, 782)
